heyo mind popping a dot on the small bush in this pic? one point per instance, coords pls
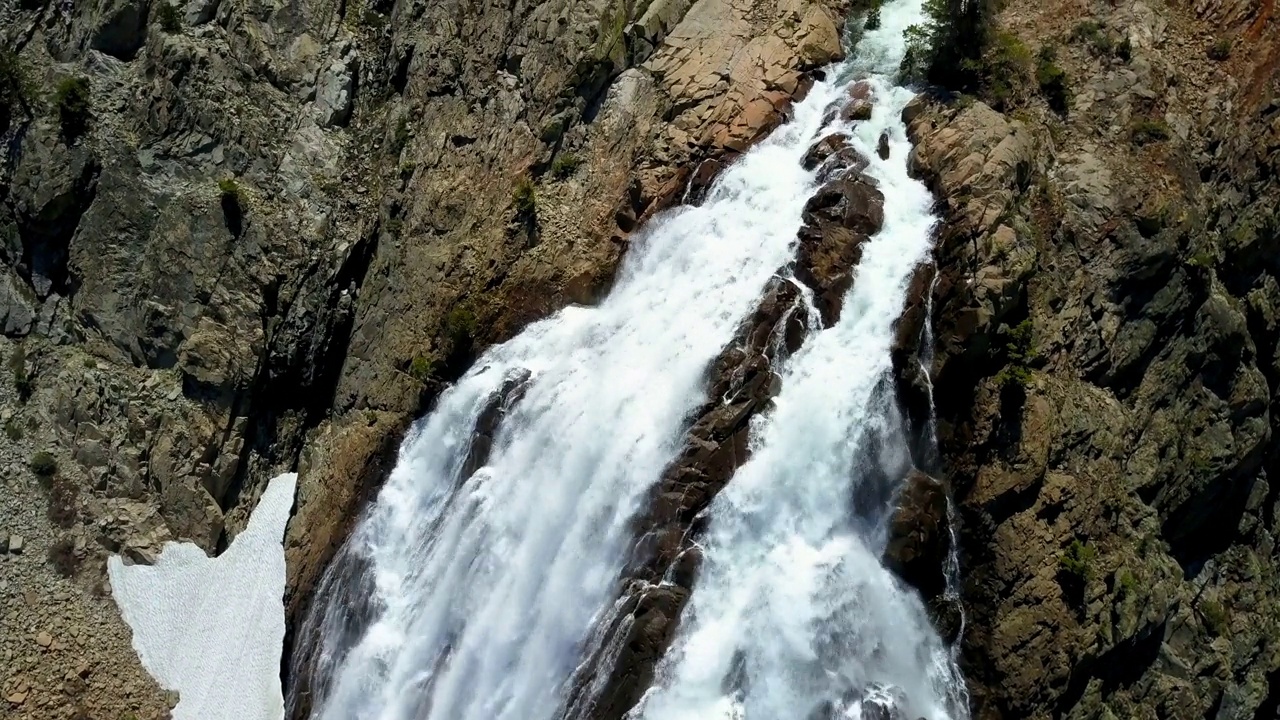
(72, 100)
(64, 502)
(1220, 50)
(565, 165)
(524, 199)
(44, 464)
(234, 202)
(1124, 49)
(13, 429)
(460, 325)
(1215, 616)
(229, 188)
(169, 18)
(1093, 34)
(64, 559)
(1005, 67)
(1126, 583)
(421, 368)
(1147, 131)
(1053, 80)
(1019, 352)
(1077, 560)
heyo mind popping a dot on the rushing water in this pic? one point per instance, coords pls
(484, 589)
(793, 614)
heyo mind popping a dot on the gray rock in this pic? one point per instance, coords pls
(17, 307)
(335, 91)
(16, 544)
(199, 12)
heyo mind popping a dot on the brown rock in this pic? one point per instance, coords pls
(882, 148)
(856, 111)
(838, 219)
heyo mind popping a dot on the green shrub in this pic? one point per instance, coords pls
(1019, 352)
(43, 464)
(1077, 560)
(460, 325)
(13, 429)
(1093, 34)
(1220, 50)
(1053, 80)
(873, 18)
(1126, 583)
(72, 100)
(1146, 131)
(1215, 616)
(64, 559)
(421, 368)
(169, 18)
(524, 198)
(1124, 49)
(229, 189)
(565, 165)
(1004, 68)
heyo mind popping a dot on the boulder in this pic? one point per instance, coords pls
(856, 111)
(838, 219)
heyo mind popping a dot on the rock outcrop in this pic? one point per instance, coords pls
(1103, 371)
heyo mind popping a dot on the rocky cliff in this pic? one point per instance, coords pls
(1106, 353)
(241, 237)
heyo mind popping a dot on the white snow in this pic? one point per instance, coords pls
(213, 628)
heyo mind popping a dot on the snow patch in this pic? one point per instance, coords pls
(213, 628)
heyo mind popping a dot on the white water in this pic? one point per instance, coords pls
(487, 588)
(793, 615)
(213, 628)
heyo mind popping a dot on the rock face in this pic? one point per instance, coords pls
(283, 229)
(1104, 370)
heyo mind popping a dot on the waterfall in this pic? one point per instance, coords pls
(793, 614)
(470, 588)
(484, 585)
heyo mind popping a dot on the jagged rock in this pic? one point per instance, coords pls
(17, 309)
(335, 91)
(882, 147)
(199, 12)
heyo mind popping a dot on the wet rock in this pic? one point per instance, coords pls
(920, 535)
(882, 148)
(838, 219)
(823, 149)
(857, 111)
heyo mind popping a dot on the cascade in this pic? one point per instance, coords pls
(473, 586)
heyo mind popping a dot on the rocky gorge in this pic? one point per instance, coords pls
(241, 238)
